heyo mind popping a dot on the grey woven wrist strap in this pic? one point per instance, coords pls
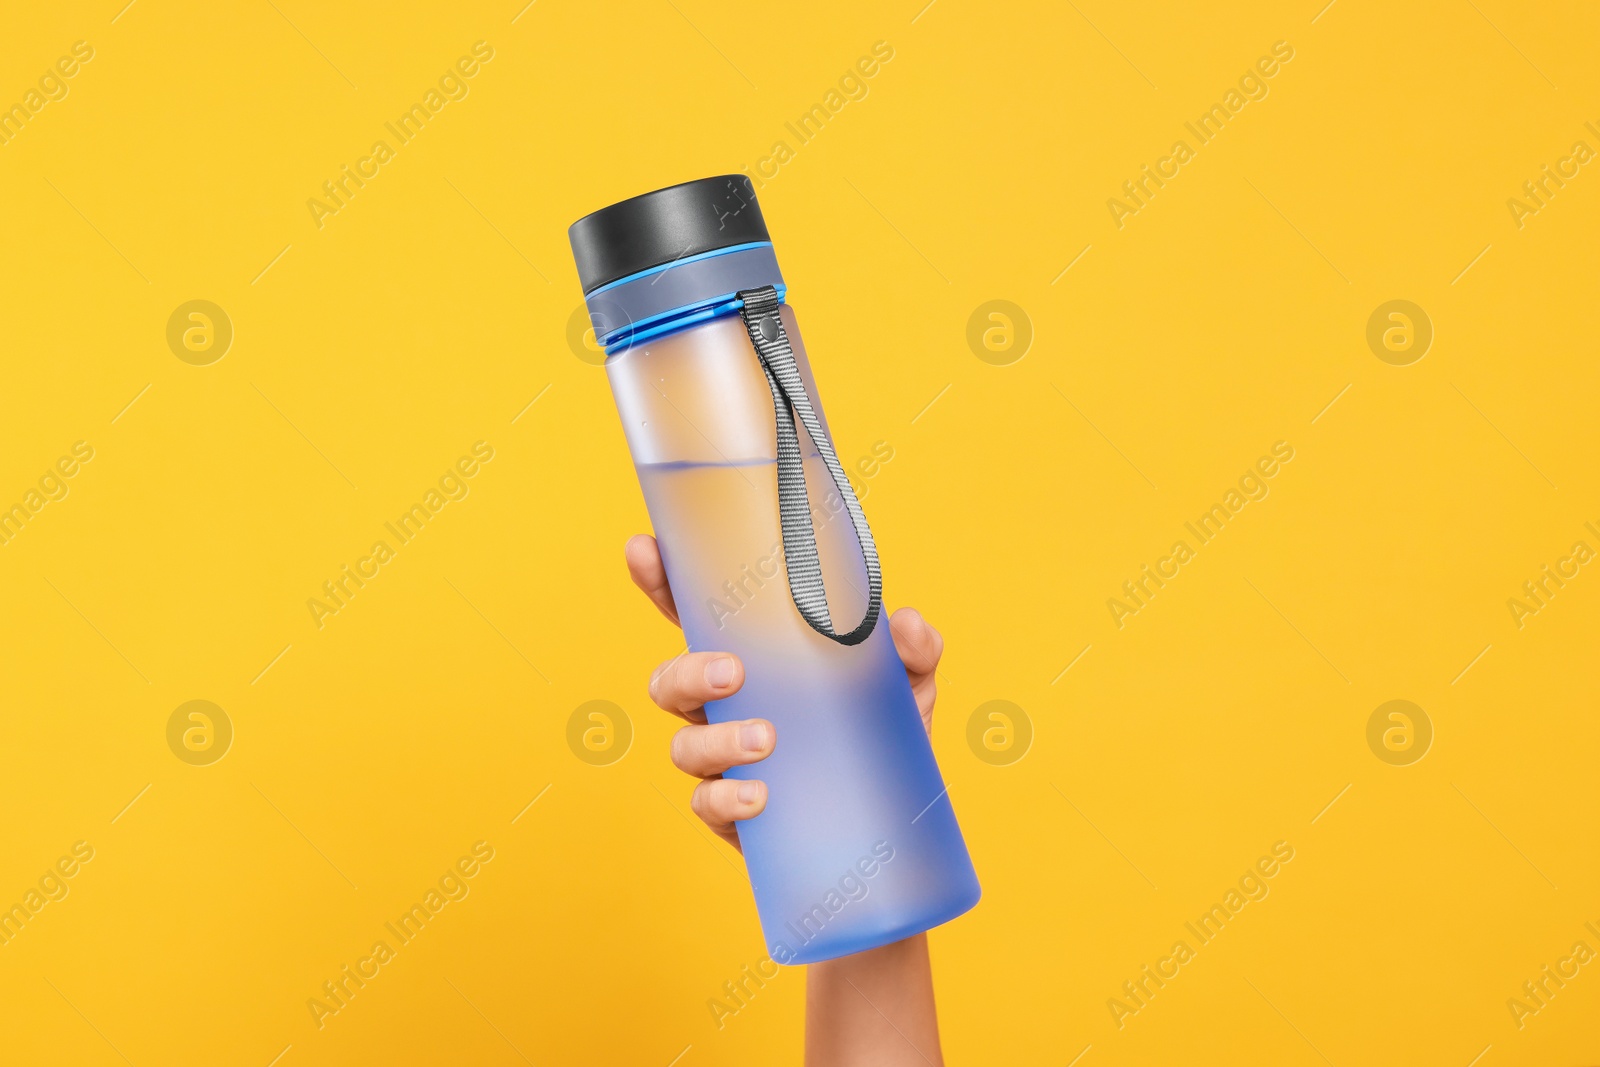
(789, 400)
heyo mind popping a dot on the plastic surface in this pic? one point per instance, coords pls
(858, 845)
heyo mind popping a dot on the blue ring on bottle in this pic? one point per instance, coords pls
(675, 320)
(680, 294)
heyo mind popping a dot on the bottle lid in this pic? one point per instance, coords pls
(669, 224)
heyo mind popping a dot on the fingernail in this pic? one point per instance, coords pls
(749, 792)
(753, 736)
(719, 673)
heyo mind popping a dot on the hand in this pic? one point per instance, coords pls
(684, 683)
(872, 1008)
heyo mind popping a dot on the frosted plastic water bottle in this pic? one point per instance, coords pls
(770, 558)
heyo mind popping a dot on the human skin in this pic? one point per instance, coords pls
(874, 1007)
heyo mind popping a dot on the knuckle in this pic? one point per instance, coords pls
(709, 802)
(700, 801)
(672, 681)
(666, 686)
(704, 748)
(677, 750)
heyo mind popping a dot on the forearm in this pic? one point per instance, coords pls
(874, 1007)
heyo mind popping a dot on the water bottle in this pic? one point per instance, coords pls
(770, 558)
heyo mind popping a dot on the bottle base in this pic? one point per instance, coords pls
(863, 940)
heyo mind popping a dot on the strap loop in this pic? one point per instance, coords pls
(789, 399)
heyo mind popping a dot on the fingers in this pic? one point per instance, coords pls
(919, 644)
(648, 573)
(721, 802)
(706, 751)
(683, 684)
(920, 647)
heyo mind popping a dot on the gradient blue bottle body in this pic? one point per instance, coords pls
(858, 845)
